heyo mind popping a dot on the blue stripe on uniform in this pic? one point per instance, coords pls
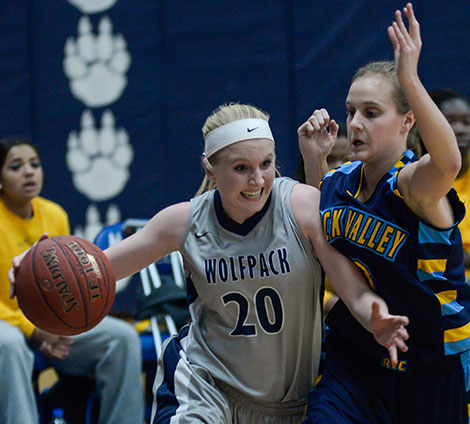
(451, 308)
(191, 292)
(465, 360)
(424, 276)
(428, 235)
(167, 404)
(452, 348)
(345, 168)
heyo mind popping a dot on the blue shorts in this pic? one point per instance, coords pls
(358, 389)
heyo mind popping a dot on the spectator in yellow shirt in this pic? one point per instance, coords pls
(456, 108)
(110, 351)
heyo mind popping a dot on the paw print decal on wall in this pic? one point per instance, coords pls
(92, 6)
(99, 158)
(96, 64)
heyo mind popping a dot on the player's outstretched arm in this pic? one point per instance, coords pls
(349, 283)
(364, 304)
(162, 235)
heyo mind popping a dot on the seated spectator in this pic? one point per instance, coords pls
(110, 352)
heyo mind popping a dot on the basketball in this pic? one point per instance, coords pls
(65, 285)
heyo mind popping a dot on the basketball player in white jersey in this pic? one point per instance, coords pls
(252, 246)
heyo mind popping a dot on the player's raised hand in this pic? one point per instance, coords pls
(317, 135)
(389, 331)
(16, 263)
(406, 43)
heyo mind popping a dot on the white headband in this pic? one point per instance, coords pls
(243, 129)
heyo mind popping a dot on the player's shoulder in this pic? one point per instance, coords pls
(181, 210)
(176, 212)
(172, 219)
(304, 195)
(301, 189)
(344, 169)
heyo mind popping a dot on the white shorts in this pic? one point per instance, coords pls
(187, 393)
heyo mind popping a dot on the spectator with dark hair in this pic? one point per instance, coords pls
(110, 352)
(456, 108)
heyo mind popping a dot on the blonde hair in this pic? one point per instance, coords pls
(224, 114)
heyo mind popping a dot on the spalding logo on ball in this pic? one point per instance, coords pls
(65, 285)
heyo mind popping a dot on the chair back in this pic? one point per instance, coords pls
(162, 298)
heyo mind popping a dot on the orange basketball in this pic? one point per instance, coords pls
(65, 285)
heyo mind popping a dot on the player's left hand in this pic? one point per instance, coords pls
(406, 43)
(389, 331)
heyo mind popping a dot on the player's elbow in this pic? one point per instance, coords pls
(454, 161)
(453, 166)
(457, 165)
(449, 168)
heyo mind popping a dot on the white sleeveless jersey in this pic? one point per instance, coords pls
(255, 300)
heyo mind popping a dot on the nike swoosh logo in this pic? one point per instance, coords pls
(200, 235)
(252, 129)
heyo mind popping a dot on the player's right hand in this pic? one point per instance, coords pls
(317, 135)
(16, 264)
(389, 330)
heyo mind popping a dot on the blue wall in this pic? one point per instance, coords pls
(180, 60)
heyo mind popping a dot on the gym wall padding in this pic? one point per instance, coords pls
(172, 64)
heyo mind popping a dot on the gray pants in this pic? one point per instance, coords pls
(110, 352)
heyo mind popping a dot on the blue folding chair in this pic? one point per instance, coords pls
(85, 406)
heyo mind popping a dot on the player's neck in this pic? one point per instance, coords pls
(22, 209)
(370, 179)
(375, 170)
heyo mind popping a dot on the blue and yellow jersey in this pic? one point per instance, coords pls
(416, 267)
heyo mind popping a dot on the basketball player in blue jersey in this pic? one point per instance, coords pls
(396, 217)
(251, 250)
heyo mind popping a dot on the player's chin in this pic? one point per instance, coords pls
(28, 194)
(358, 155)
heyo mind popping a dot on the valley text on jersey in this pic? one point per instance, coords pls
(364, 229)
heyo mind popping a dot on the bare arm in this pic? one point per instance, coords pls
(347, 280)
(425, 183)
(316, 142)
(160, 236)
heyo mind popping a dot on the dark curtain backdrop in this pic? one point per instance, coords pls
(171, 65)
